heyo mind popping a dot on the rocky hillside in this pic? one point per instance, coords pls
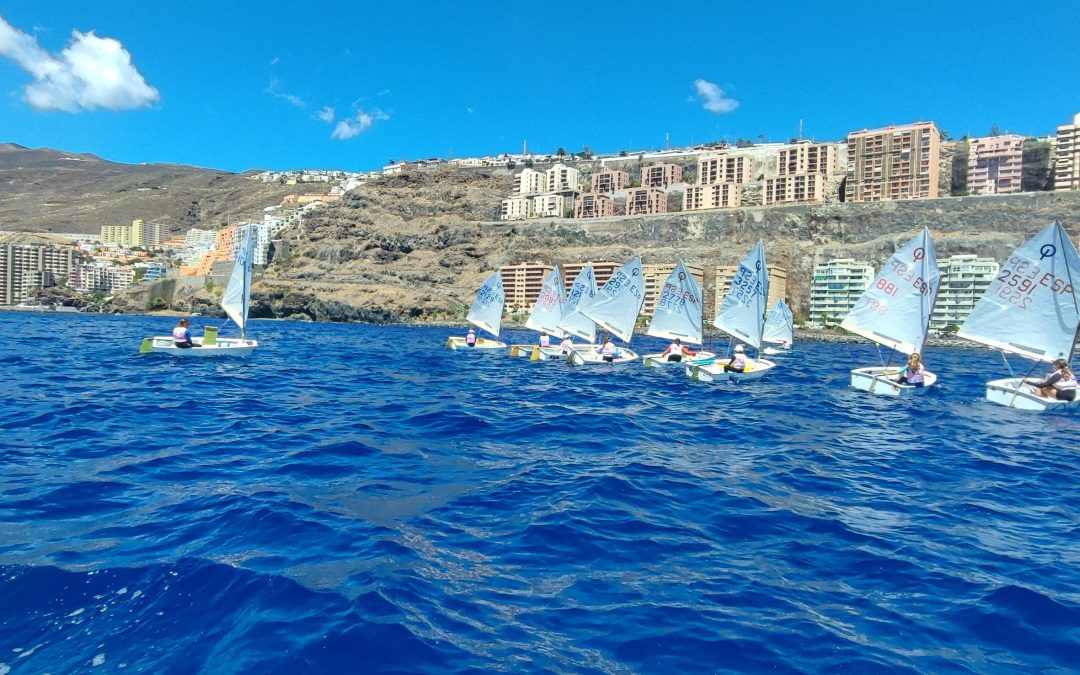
(54, 191)
(417, 245)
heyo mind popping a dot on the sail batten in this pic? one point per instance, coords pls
(486, 311)
(616, 306)
(1032, 308)
(894, 311)
(678, 309)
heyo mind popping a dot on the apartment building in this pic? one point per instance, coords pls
(661, 175)
(1067, 156)
(723, 275)
(964, 280)
(899, 162)
(522, 284)
(590, 205)
(795, 189)
(562, 179)
(835, 287)
(644, 201)
(712, 196)
(655, 276)
(807, 157)
(726, 168)
(103, 278)
(139, 233)
(995, 164)
(518, 208)
(602, 271)
(530, 182)
(611, 180)
(551, 206)
(24, 268)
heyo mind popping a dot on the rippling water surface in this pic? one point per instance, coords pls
(359, 499)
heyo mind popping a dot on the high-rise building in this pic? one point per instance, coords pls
(806, 157)
(611, 180)
(591, 205)
(893, 163)
(995, 164)
(729, 167)
(836, 287)
(712, 196)
(517, 208)
(725, 273)
(661, 175)
(602, 271)
(530, 182)
(1067, 156)
(644, 201)
(964, 280)
(24, 268)
(522, 284)
(561, 178)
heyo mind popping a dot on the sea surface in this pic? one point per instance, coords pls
(359, 499)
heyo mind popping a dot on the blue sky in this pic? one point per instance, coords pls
(273, 85)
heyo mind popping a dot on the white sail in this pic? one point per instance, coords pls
(779, 325)
(615, 308)
(237, 297)
(581, 295)
(678, 309)
(486, 311)
(1031, 307)
(742, 314)
(548, 309)
(895, 310)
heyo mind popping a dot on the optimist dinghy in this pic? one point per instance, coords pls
(485, 313)
(677, 316)
(614, 308)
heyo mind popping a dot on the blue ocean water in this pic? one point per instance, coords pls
(360, 499)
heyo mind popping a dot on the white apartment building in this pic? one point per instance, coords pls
(551, 206)
(1067, 156)
(94, 277)
(26, 267)
(964, 280)
(518, 208)
(835, 287)
(561, 178)
(530, 182)
(995, 164)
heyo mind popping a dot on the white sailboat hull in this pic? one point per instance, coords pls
(457, 342)
(879, 381)
(1013, 393)
(777, 351)
(714, 372)
(588, 356)
(163, 344)
(660, 360)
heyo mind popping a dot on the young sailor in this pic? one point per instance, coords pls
(470, 338)
(737, 362)
(567, 345)
(1059, 384)
(545, 341)
(181, 336)
(607, 349)
(675, 351)
(913, 372)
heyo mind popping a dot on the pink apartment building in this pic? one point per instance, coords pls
(899, 162)
(645, 200)
(661, 175)
(611, 180)
(714, 196)
(726, 168)
(522, 283)
(1067, 156)
(995, 164)
(602, 271)
(808, 187)
(591, 205)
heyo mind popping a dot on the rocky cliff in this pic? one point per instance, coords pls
(416, 246)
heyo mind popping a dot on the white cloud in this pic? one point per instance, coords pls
(274, 89)
(347, 129)
(327, 114)
(713, 98)
(91, 72)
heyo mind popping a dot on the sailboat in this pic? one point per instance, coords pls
(677, 315)
(545, 315)
(895, 312)
(779, 330)
(615, 309)
(581, 295)
(1032, 310)
(486, 314)
(742, 316)
(236, 302)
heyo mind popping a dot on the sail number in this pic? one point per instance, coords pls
(674, 297)
(888, 287)
(1019, 278)
(746, 285)
(906, 273)
(874, 305)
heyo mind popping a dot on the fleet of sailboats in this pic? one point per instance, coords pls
(1031, 310)
(894, 311)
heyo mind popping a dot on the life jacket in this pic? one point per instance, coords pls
(740, 361)
(915, 376)
(545, 341)
(470, 339)
(567, 345)
(608, 349)
(180, 334)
